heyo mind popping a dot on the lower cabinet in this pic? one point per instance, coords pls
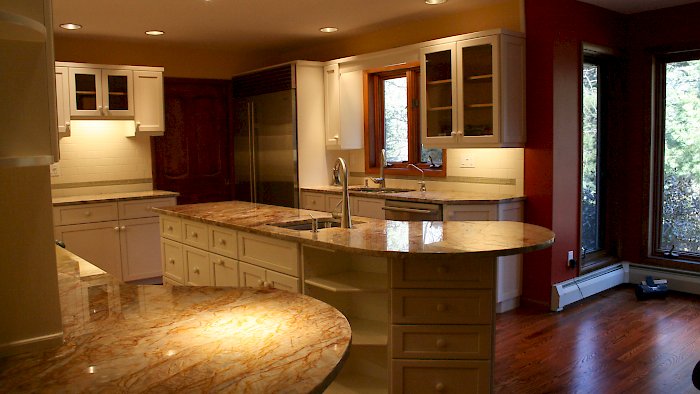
(254, 276)
(119, 237)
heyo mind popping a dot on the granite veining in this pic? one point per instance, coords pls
(431, 196)
(373, 236)
(133, 338)
(108, 197)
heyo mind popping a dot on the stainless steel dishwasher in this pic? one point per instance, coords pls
(411, 211)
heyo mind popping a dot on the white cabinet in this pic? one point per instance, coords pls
(224, 270)
(344, 118)
(119, 237)
(313, 201)
(97, 91)
(62, 101)
(473, 92)
(253, 276)
(367, 207)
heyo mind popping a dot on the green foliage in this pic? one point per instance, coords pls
(589, 175)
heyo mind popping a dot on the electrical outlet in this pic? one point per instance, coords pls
(54, 170)
(468, 161)
(570, 261)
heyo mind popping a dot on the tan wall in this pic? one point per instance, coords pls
(205, 62)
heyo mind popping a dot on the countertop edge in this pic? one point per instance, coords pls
(111, 197)
(402, 196)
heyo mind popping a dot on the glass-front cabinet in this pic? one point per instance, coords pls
(101, 93)
(472, 92)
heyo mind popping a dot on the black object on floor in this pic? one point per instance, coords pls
(696, 376)
(650, 289)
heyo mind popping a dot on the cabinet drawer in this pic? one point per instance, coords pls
(275, 254)
(313, 201)
(442, 306)
(85, 213)
(223, 241)
(471, 212)
(454, 272)
(224, 269)
(441, 342)
(250, 275)
(133, 209)
(197, 264)
(430, 376)
(173, 266)
(195, 234)
(281, 281)
(171, 227)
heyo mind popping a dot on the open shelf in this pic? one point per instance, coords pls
(479, 77)
(486, 105)
(14, 27)
(440, 108)
(351, 282)
(352, 382)
(439, 82)
(368, 332)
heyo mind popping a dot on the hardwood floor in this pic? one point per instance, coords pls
(610, 343)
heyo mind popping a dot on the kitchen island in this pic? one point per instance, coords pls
(419, 295)
(133, 338)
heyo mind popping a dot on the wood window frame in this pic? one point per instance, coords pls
(374, 125)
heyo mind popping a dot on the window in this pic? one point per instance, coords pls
(392, 111)
(676, 231)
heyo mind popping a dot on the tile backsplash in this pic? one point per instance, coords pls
(98, 155)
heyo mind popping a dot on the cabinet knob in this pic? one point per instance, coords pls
(441, 307)
(123, 228)
(221, 262)
(194, 235)
(88, 213)
(222, 242)
(171, 260)
(99, 108)
(138, 125)
(170, 228)
(442, 270)
(261, 283)
(454, 133)
(440, 343)
(439, 387)
(116, 228)
(196, 270)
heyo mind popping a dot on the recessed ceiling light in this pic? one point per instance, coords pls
(71, 26)
(434, 2)
(155, 33)
(328, 29)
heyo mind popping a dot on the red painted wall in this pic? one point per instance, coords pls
(555, 31)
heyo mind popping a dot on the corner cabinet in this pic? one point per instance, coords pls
(96, 91)
(473, 92)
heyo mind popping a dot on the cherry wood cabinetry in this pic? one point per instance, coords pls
(194, 156)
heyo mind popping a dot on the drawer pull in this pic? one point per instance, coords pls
(441, 307)
(440, 343)
(221, 262)
(222, 242)
(196, 270)
(170, 228)
(88, 213)
(116, 228)
(439, 387)
(194, 235)
(261, 283)
(171, 261)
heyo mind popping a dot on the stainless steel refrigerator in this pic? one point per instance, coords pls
(265, 139)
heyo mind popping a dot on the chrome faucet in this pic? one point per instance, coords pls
(422, 177)
(381, 181)
(342, 168)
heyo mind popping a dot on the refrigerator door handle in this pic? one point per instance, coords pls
(251, 138)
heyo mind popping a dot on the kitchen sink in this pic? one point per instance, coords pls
(380, 190)
(305, 225)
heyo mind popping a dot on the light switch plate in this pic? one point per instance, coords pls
(468, 161)
(54, 170)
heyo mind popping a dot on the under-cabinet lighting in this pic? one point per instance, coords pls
(71, 26)
(435, 2)
(155, 32)
(328, 29)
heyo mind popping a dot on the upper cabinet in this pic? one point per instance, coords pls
(343, 108)
(62, 102)
(114, 92)
(473, 92)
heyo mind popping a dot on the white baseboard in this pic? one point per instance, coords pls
(576, 289)
(32, 344)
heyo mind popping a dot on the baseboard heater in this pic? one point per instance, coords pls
(576, 289)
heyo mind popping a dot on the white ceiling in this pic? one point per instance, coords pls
(264, 24)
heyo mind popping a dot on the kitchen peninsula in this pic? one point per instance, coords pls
(419, 295)
(120, 337)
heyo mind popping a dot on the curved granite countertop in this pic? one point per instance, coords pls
(108, 197)
(133, 338)
(431, 196)
(376, 237)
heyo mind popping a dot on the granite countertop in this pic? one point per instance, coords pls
(132, 338)
(373, 236)
(108, 197)
(431, 196)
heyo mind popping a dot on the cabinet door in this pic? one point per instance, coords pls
(438, 95)
(118, 93)
(97, 243)
(471, 212)
(367, 207)
(148, 102)
(197, 266)
(85, 93)
(331, 85)
(333, 202)
(478, 90)
(351, 110)
(225, 270)
(139, 248)
(313, 201)
(250, 275)
(63, 101)
(173, 264)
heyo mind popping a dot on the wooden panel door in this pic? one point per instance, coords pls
(194, 156)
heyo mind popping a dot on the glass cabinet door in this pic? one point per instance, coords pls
(477, 88)
(117, 92)
(84, 87)
(438, 91)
